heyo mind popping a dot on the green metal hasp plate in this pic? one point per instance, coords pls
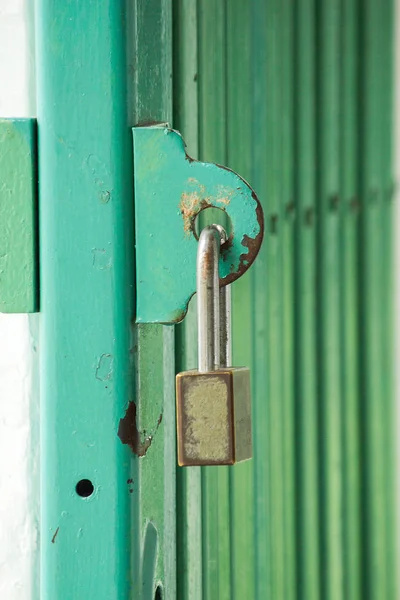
(18, 217)
(170, 190)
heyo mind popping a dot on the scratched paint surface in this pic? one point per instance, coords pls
(86, 257)
(170, 190)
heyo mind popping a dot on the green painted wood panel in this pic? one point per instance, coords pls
(288, 95)
(328, 298)
(306, 427)
(350, 298)
(387, 36)
(238, 120)
(86, 255)
(19, 281)
(107, 387)
(375, 150)
(259, 310)
(288, 356)
(269, 298)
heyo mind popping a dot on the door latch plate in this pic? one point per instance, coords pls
(171, 189)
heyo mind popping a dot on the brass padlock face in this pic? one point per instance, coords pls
(213, 417)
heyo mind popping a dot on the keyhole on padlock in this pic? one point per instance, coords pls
(212, 216)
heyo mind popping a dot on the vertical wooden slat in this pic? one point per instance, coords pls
(238, 117)
(307, 517)
(287, 236)
(328, 301)
(212, 148)
(375, 583)
(349, 301)
(189, 537)
(385, 50)
(259, 179)
(288, 104)
(387, 289)
(273, 287)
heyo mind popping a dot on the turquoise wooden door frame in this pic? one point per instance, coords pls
(119, 542)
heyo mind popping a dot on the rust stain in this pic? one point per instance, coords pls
(192, 202)
(129, 434)
(189, 158)
(190, 205)
(178, 315)
(252, 244)
(53, 539)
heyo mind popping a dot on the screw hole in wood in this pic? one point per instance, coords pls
(84, 488)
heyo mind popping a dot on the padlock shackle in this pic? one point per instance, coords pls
(225, 303)
(208, 302)
(225, 320)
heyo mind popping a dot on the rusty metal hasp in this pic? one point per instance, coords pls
(170, 190)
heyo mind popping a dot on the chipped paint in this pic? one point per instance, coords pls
(129, 434)
(104, 368)
(193, 202)
(101, 260)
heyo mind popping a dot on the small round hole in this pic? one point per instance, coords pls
(84, 488)
(158, 594)
(211, 216)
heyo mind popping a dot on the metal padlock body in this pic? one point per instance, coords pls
(213, 402)
(214, 417)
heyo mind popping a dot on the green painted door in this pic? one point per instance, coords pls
(297, 97)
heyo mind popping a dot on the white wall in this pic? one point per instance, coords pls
(19, 397)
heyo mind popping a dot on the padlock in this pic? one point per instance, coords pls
(213, 402)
